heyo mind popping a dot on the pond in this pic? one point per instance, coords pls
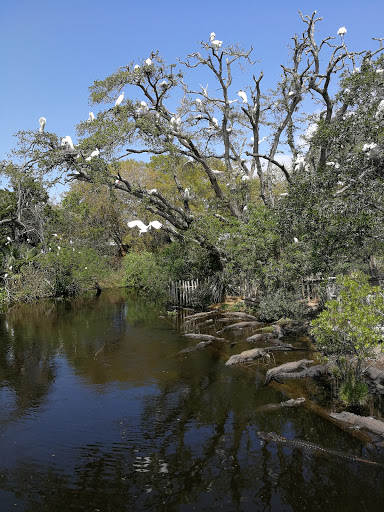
(100, 412)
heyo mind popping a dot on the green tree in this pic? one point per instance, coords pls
(209, 125)
(349, 330)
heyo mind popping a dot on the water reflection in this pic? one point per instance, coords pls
(100, 412)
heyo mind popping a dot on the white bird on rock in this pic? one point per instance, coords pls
(342, 31)
(119, 99)
(91, 117)
(243, 96)
(42, 122)
(142, 227)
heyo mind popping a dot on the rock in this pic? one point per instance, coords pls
(287, 368)
(278, 331)
(355, 420)
(377, 377)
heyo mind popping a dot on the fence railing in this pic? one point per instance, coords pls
(181, 292)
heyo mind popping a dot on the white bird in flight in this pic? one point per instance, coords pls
(342, 31)
(42, 122)
(142, 227)
(119, 99)
(91, 117)
(243, 96)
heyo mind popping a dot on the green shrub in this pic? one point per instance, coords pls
(142, 271)
(354, 392)
(349, 329)
(281, 303)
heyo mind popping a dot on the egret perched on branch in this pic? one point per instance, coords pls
(94, 153)
(142, 227)
(243, 96)
(342, 31)
(212, 36)
(148, 62)
(198, 101)
(91, 117)
(42, 122)
(217, 43)
(67, 141)
(187, 193)
(164, 84)
(205, 90)
(380, 110)
(119, 99)
(136, 67)
(215, 122)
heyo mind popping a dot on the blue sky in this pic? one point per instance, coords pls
(51, 51)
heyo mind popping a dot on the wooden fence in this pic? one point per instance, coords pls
(181, 292)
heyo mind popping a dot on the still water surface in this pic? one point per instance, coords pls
(99, 412)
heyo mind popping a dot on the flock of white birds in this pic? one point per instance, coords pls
(175, 123)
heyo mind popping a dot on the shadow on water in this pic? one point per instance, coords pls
(100, 412)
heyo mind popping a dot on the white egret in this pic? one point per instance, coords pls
(198, 101)
(152, 191)
(67, 141)
(215, 122)
(380, 110)
(164, 84)
(217, 43)
(9, 239)
(42, 122)
(94, 153)
(296, 240)
(205, 91)
(299, 162)
(119, 99)
(379, 71)
(212, 36)
(187, 193)
(136, 67)
(142, 227)
(91, 117)
(148, 62)
(243, 96)
(342, 31)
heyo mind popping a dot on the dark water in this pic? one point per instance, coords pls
(98, 412)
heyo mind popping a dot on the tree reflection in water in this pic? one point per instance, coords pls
(137, 426)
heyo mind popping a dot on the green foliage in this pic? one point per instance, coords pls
(142, 271)
(281, 303)
(353, 391)
(348, 330)
(66, 272)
